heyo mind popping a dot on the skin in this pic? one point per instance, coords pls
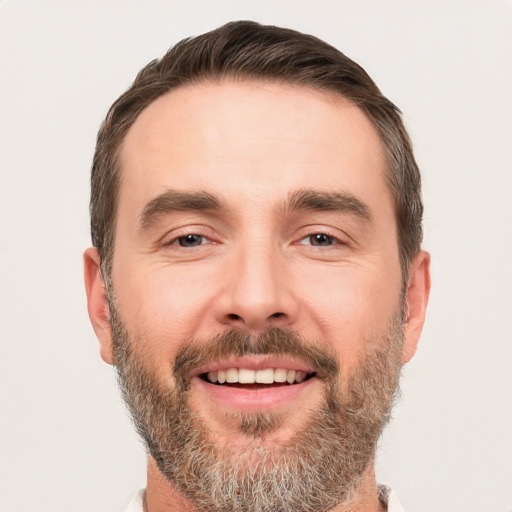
(252, 146)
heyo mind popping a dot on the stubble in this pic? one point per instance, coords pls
(319, 468)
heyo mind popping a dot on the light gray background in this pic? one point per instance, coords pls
(65, 440)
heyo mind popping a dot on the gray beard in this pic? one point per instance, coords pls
(319, 468)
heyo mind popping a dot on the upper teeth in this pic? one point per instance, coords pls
(266, 376)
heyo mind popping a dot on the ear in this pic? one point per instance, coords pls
(97, 303)
(418, 290)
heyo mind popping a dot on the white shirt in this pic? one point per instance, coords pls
(386, 495)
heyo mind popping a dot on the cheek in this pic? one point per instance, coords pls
(163, 308)
(351, 307)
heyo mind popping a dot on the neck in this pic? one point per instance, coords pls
(161, 496)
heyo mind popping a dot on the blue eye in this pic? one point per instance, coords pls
(190, 240)
(319, 240)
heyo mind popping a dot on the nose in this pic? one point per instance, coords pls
(258, 291)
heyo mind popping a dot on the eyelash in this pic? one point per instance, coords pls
(176, 241)
(327, 237)
(205, 240)
(332, 239)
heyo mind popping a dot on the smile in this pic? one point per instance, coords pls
(255, 383)
(263, 376)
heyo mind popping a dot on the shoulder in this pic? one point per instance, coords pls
(137, 504)
(389, 498)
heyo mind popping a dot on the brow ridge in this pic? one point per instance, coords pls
(319, 200)
(303, 199)
(177, 201)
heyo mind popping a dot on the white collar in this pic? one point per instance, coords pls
(386, 495)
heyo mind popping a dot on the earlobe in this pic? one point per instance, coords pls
(417, 295)
(97, 303)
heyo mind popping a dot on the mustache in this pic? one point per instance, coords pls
(237, 343)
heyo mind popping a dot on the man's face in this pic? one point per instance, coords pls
(260, 212)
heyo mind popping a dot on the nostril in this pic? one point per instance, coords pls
(253, 321)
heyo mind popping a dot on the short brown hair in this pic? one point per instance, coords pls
(246, 50)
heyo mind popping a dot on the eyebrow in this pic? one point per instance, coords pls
(317, 200)
(177, 201)
(312, 200)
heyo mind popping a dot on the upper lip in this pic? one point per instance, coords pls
(253, 362)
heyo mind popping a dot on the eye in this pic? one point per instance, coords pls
(319, 240)
(191, 240)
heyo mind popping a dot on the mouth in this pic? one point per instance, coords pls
(246, 378)
(255, 383)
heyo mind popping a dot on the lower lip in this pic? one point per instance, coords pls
(255, 399)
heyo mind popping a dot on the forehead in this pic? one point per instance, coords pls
(251, 138)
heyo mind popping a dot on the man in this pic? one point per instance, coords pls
(256, 276)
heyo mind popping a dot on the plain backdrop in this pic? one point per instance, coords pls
(66, 443)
